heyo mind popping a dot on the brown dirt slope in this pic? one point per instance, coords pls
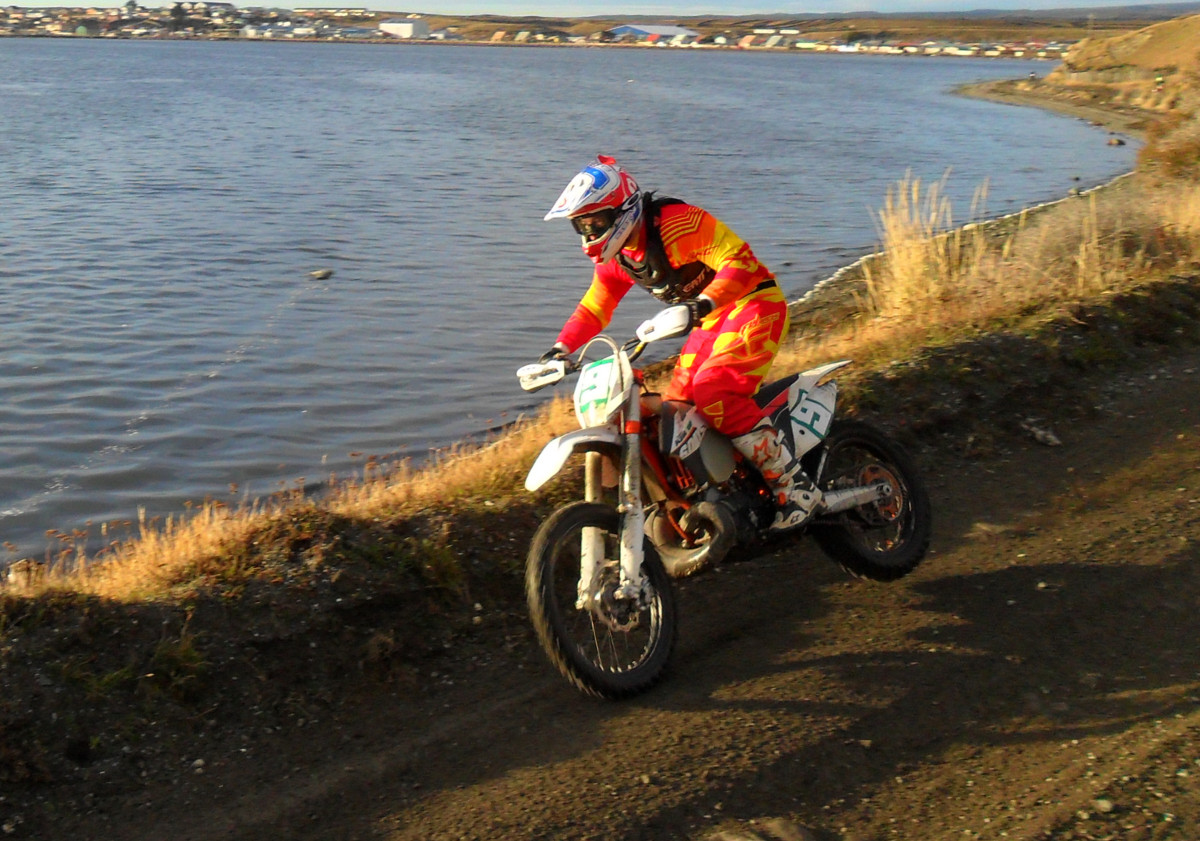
(1156, 68)
(1171, 45)
(1115, 80)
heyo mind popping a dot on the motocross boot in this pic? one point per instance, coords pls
(796, 496)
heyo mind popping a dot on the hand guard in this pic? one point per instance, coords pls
(538, 375)
(674, 321)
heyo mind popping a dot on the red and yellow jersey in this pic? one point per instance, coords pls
(690, 235)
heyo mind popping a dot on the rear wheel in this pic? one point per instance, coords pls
(607, 646)
(885, 539)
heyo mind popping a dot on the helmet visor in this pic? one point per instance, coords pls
(592, 226)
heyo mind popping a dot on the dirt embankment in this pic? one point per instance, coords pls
(1122, 82)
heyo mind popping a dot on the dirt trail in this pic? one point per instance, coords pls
(1037, 677)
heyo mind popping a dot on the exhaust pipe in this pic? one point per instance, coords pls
(717, 522)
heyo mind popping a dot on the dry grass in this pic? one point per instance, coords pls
(495, 468)
(931, 283)
(146, 565)
(928, 268)
(942, 280)
(208, 543)
(1173, 144)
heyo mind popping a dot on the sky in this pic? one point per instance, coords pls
(580, 8)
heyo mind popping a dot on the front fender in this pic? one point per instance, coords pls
(555, 454)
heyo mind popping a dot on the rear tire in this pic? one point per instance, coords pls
(614, 648)
(883, 540)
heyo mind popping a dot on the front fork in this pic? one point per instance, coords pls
(633, 516)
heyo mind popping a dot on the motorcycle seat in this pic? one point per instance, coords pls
(768, 394)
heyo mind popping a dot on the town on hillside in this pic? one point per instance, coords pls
(205, 19)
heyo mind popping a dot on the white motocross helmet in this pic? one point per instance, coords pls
(604, 205)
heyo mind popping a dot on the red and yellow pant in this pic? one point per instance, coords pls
(727, 357)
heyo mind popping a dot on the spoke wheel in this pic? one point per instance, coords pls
(884, 539)
(607, 645)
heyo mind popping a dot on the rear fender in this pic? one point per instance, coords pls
(555, 454)
(812, 400)
(810, 378)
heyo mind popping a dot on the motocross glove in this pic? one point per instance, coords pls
(698, 308)
(556, 352)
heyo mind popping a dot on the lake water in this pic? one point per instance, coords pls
(163, 205)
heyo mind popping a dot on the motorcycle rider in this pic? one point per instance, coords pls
(685, 256)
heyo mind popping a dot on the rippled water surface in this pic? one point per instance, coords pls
(165, 203)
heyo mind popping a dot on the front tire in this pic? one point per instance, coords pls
(612, 648)
(886, 539)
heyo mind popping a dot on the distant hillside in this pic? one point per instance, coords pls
(979, 25)
(956, 28)
(1147, 12)
(1142, 12)
(1155, 71)
(1170, 47)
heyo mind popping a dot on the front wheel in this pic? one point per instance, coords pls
(606, 646)
(884, 539)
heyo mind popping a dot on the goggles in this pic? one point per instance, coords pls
(592, 226)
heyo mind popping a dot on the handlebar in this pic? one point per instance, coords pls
(539, 375)
(669, 323)
(634, 348)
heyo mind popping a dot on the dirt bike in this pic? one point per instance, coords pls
(665, 496)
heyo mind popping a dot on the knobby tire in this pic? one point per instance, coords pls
(878, 542)
(597, 658)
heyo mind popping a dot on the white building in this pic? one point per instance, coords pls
(405, 28)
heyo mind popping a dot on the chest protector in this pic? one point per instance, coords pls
(655, 273)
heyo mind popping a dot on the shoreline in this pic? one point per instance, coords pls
(837, 297)
(1121, 119)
